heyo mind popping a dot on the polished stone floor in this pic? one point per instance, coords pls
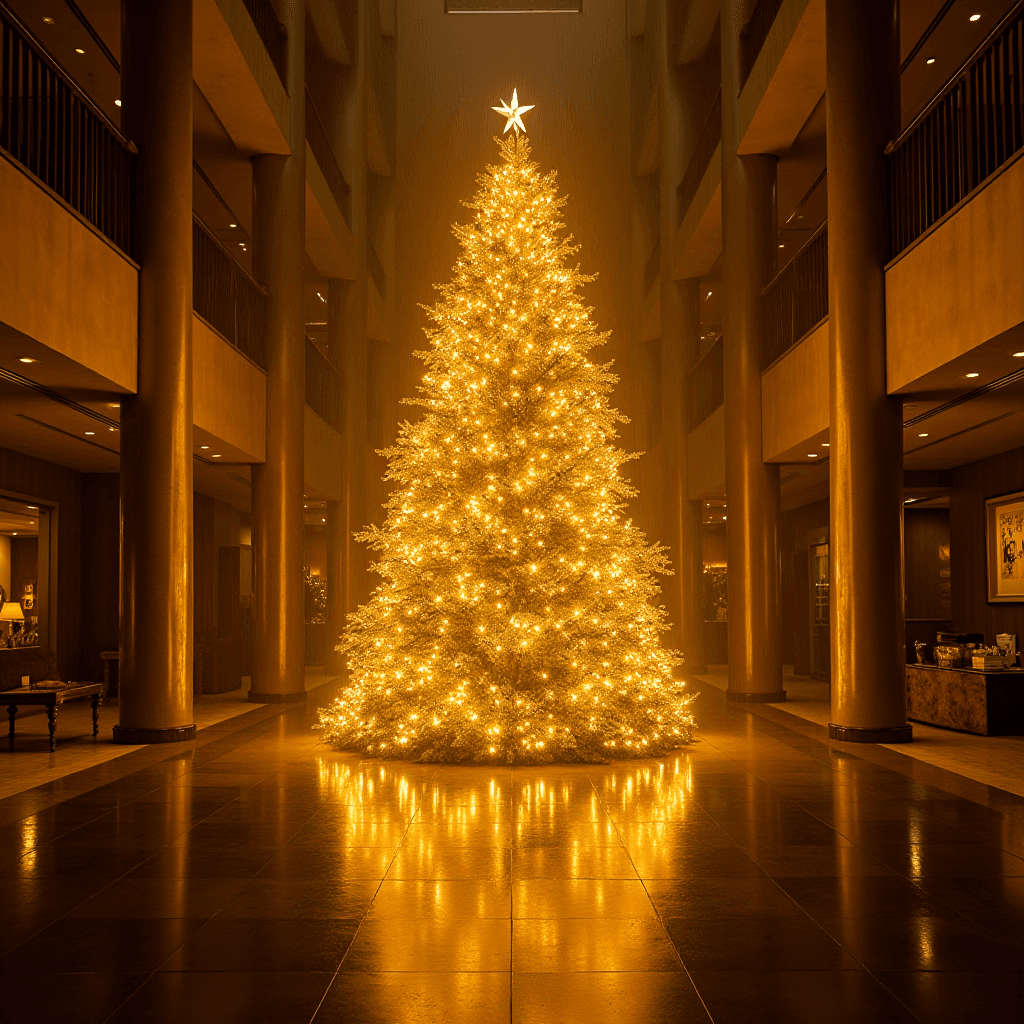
(755, 876)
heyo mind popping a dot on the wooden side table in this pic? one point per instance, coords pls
(50, 699)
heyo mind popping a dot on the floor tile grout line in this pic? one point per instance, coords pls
(657, 914)
(804, 911)
(369, 906)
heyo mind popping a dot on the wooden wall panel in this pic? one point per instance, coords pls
(970, 486)
(101, 570)
(795, 610)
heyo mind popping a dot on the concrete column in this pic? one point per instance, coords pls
(279, 186)
(866, 435)
(680, 331)
(352, 301)
(748, 262)
(156, 422)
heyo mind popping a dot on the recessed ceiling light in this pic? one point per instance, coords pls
(975, 17)
(824, 444)
(242, 244)
(214, 456)
(782, 245)
(930, 60)
(204, 447)
(78, 49)
(972, 374)
(232, 225)
(34, 508)
(27, 359)
(323, 520)
(922, 435)
(708, 295)
(15, 534)
(117, 103)
(1018, 355)
(111, 429)
(48, 21)
(89, 433)
(113, 405)
(812, 455)
(725, 517)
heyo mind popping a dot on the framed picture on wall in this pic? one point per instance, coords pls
(1004, 542)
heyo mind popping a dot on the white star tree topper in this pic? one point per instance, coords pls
(514, 113)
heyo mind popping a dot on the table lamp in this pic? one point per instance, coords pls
(11, 612)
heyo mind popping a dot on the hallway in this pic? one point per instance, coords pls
(757, 875)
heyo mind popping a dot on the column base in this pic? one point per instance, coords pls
(739, 697)
(298, 697)
(853, 734)
(178, 734)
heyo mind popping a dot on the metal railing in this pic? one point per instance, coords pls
(273, 34)
(796, 300)
(226, 297)
(50, 127)
(323, 386)
(323, 152)
(705, 385)
(375, 268)
(707, 143)
(970, 129)
(754, 34)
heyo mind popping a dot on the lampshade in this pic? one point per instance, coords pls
(11, 612)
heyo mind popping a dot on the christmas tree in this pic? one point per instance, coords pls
(517, 621)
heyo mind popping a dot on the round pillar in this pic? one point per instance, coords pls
(156, 422)
(749, 232)
(680, 340)
(866, 435)
(279, 216)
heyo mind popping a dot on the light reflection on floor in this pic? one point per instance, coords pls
(755, 875)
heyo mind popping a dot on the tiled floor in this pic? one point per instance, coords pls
(28, 762)
(992, 760)
(757, 875)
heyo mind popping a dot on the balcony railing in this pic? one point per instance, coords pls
(971, 128)
(50, 127)
(323, 386)
(705, 386)
(754, 34)
(707, 143)
(323, 151)
(273, 34)
(796, 301)
(226, 297)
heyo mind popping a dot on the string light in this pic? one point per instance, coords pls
(517, 619)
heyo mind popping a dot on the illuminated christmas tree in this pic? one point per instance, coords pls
(517, 621)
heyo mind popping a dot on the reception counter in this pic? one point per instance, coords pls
(988, 703)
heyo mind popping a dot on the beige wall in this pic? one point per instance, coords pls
(63, 284)
(229, 394)
(794, 396)
(961, 285)
(451, 70)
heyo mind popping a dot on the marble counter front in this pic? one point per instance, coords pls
(987, 703)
